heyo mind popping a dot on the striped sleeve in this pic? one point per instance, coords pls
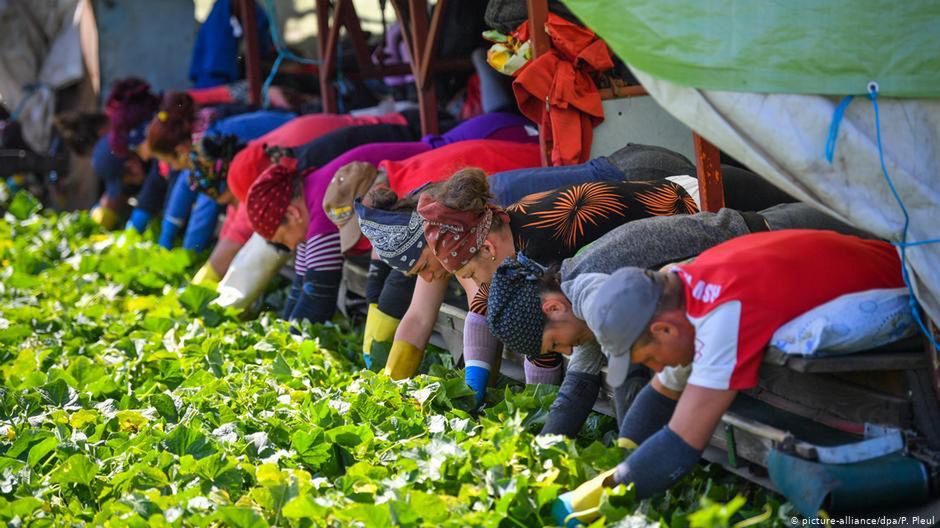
(319, 253)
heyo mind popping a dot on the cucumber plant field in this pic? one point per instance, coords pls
(127, 399)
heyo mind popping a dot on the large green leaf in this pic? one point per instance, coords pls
(77, 469)
(185, 440)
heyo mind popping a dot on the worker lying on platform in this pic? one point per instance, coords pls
(521, 290)
(703, 327)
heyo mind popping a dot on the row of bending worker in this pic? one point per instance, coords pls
(549, 223)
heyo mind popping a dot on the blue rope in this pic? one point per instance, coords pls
(903, 244)
(282, 52)
(834, 127)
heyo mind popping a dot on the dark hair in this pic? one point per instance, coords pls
(550, 281)
(384, 198)
(221, 147)
(173, 124)
(467, 190)
(130, 103)
(80, 130)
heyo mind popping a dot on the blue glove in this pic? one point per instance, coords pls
(138, 220)
(477, 378)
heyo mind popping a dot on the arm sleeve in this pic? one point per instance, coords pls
(319, 253)
(178, 208)
(202, 223)
(138, 220)
(657, 464)
(375, 280)
(573, 404)
(397, 293)
(578, 392)
(649, 413)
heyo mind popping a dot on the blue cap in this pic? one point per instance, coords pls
(617, 309)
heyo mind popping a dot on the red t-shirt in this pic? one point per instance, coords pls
(251, 161)
(436, 165)
(738, 293)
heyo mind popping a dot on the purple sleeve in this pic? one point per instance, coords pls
(497, 125)
(316, 182)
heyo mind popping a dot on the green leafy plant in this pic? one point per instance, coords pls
(130, 400)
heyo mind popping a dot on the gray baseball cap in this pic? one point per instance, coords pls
(617, 310)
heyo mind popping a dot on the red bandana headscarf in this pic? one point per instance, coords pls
(268, 199)
(456, 236)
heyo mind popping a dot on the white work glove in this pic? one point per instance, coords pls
(256, 263)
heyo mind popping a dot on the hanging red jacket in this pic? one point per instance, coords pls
(556, 89)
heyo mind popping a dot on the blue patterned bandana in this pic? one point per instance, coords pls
(397, 236)
(514, 309)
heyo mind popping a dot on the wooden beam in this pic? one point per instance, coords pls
(327, 61)
(332, 39)
(358, 38)
(246, 11)
(708, 169)
(538, 15)
(430, 47)
(619, 91)
(827, 395)
(427, 96)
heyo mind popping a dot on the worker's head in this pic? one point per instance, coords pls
(351, 181)
(210, 161)
(120, 174)
(169, 136)
(467, 233)
(562, 329)
(397, 232)
(129, 105)
(276, 207)
(637, 316)
(668, 339)
(514, 311)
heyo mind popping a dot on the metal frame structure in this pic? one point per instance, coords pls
(421, 36)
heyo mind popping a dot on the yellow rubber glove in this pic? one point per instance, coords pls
(380, 327)
(581, 505)
(206, 277)
(384, 327)
(368, 333)
(403, 360)
(106, 218)
(626, 443)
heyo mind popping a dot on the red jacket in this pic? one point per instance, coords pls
(556, 90)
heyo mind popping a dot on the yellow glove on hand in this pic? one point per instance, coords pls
(380, 327)
(403, 360)
(368, 333)
(106, 218)
(206, 277)
(581, 505)
(626, 443)
(384, 327)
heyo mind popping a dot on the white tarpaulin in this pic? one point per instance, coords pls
(783, 137)
(39, 46)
